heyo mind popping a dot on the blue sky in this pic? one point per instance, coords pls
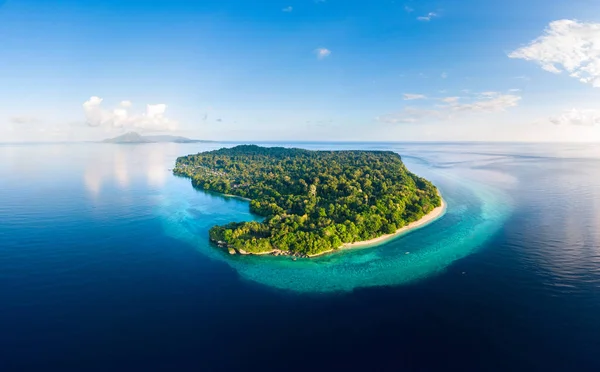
(300, 69)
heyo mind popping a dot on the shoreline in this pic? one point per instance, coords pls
(422, 222)
(237, 197)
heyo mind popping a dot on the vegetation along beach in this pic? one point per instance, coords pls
(313, 202)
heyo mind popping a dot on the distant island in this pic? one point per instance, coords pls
(133, 137)
(313, 202)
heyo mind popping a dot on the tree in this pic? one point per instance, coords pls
(312, 201)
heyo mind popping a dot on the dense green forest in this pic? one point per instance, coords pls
(312, 201)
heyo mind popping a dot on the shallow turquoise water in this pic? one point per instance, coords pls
(475, 212)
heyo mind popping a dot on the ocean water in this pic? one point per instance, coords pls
(105, 265)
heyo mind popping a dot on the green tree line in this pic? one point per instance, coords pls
(312, 201)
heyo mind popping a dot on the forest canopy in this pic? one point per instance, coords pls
(312, 201)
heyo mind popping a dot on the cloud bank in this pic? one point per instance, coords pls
(452, 108)
(567, 46)
(153, 119)
(577, 117)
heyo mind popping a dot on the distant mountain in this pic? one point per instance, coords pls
(133, 137)
(130, 137)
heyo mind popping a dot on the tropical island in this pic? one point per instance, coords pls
(313, 202)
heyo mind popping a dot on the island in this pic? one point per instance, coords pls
(133, 137)
(313, 202)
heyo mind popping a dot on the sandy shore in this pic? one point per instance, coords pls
(428, 218)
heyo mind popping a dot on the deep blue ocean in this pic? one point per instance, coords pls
(105, 265)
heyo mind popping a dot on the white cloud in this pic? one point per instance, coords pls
(514, 90)
(567, 46)
(152, 120)
(444, 75)
(95, 115)
(410, 97)
(577, 117)
(156, 110)
(120, 115)
(452, 109)
(408, 9)
(450, 99)
(322, 53)
(489, 104)
(427, 17)
(287, 9)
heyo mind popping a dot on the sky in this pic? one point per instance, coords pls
(315, 70)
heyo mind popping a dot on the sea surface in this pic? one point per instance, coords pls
(105, 265)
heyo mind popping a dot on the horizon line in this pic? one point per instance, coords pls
(298, 142)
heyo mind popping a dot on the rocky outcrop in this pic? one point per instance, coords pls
(274, 252)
